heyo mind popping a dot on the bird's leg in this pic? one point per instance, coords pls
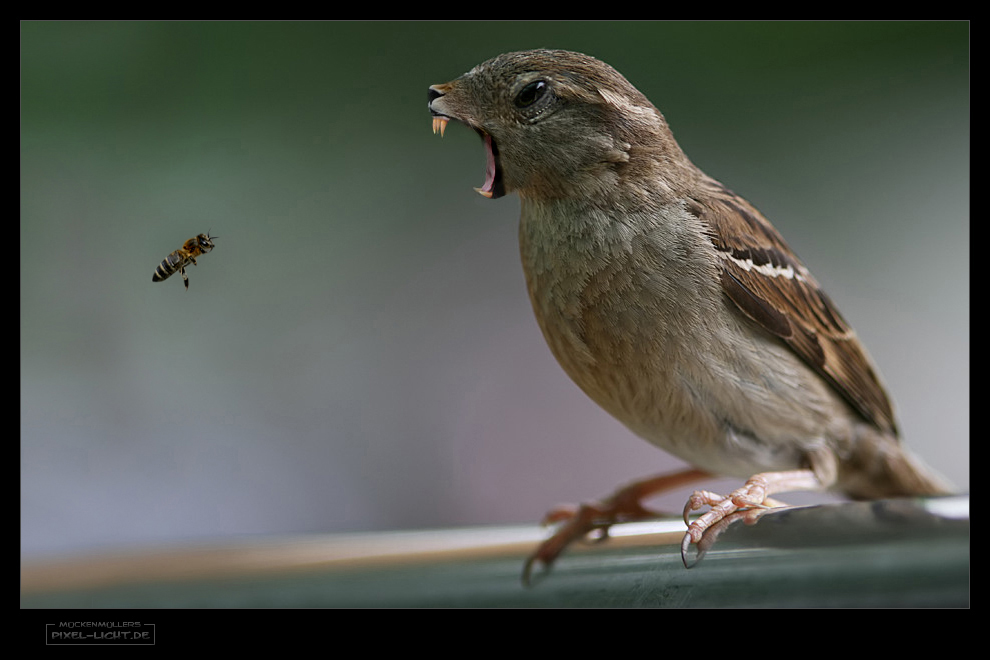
(625, 505)
(755, 493)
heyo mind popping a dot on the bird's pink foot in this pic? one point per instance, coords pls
(753, 495)
(593, 520)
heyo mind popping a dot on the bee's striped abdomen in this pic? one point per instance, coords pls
(167, 267)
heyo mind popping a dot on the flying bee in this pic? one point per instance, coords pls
(178, 260)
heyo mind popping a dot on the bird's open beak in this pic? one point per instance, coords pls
(492, 187)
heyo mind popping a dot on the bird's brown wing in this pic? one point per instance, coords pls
(768, 283)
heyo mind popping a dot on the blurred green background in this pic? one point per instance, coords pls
(358, 352)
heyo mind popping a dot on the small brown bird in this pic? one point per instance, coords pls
(671, 301)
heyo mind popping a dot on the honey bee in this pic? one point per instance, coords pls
(178, 260)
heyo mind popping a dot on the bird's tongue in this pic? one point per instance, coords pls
(493, 186)
(488, 190)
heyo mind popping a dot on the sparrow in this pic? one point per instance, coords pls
(672, 302)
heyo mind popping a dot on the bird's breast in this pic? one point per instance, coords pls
(613, 307)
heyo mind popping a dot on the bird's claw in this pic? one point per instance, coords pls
(592, 522)
(748, 503)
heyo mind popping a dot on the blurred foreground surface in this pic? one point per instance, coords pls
(893, 553)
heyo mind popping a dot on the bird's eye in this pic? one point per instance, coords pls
(531, 93)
